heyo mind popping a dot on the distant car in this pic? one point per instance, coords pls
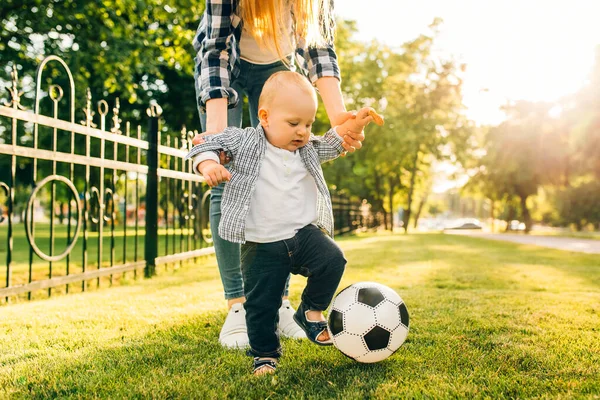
(516, 225)
(466, 224)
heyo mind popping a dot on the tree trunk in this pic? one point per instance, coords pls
(492, 216)
(391, 202)
(526, 215)
(411, 188)
(567, 181)
(420, 209)
(378, 198)
(61, 213)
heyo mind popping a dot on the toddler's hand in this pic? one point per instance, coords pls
(199, 138)
(213, 172)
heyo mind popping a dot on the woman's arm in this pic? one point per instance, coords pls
(331, 93)
(213, 51)
(216, 116)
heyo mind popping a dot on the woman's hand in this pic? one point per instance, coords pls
(353, 135)
(199, 138)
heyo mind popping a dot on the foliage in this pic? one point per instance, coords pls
(141, 50)
(549, 145)
(420, 97)
(579, 205)
(135, 50)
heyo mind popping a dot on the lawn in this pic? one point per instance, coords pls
(170, 241)
(488, 320)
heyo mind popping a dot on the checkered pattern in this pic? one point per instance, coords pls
(246, 147)
(217, 60)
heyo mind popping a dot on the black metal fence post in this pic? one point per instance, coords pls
(151, 238)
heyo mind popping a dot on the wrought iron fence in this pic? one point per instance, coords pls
(85, 204)
(350, 215)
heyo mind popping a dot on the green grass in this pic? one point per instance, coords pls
(488, 320)
(170, 243)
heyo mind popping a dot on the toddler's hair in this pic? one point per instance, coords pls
(279, 81)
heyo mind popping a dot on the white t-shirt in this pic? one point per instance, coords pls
(284, 198)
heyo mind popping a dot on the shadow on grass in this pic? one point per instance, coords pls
(187, 362)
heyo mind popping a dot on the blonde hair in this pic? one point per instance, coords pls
(278, 81)
(264, 19)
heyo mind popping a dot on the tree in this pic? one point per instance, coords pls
(135, 50)
(421, 100)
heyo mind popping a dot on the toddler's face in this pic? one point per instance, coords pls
(288, 120)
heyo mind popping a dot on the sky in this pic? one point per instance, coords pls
(538, 50)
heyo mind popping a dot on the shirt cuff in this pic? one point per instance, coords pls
(218, 93)
(334, 139)
(208, 155)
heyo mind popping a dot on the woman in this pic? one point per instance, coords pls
(239, 45)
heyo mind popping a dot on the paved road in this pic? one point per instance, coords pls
(562, 243)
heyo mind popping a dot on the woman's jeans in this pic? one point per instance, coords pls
(310, 253)
(249, 83)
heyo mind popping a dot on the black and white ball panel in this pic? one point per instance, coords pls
(345, 298)
(404, 314)
(387, 308)
(370, 296)
(377, 338)
(368, 321)
(336, 321)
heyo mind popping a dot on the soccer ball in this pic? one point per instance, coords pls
(368, 321)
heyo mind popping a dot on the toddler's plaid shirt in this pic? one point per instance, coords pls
(246, 147)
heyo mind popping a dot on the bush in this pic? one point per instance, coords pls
(579, 205)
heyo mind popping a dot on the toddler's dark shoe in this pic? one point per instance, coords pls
(264, 366)
(312, 328)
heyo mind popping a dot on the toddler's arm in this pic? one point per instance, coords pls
(213, 172)
(229, 141)
(328, 146)
(206, 155)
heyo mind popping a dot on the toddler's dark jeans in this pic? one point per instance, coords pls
(265, 268)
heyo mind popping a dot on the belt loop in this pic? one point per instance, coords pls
(290, 252)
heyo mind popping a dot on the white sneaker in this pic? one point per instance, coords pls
(234, 334)
(287, 326)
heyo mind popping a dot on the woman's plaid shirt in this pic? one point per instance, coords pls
(246, 147)
(217, 59)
